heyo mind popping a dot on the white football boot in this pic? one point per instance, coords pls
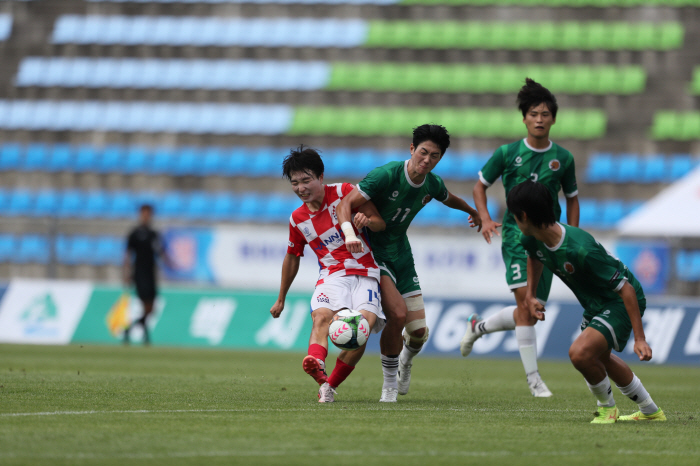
(537, 386)
(389, 395)
(404, 376)
(326, 393)
(470, 336)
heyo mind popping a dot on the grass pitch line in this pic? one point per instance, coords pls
(257, 410)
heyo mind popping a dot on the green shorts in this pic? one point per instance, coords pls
(403, 273)
(613, 322)
(515, 258)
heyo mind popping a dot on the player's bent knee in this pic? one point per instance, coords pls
(416, 331)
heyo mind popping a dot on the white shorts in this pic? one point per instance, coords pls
(354, 292)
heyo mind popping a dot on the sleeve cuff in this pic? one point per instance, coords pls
(483, 180)
(359, 190)
(570, 195)
(621, 284)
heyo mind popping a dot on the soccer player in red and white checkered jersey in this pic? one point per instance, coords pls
(346, 280)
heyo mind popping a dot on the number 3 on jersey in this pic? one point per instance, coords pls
(398, 212)
(516, 272)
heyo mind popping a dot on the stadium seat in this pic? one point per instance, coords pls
(71, 203)
(108, 250)
(136, 160)
(688, 265)
(96, 205)
(35, 157)
(10, 154)
(8, 247)
(600, 168)
(629, 168)
(654, 169)
(681, 165)
(32, 248)
(45, 203)
(20, 203)
(60, 157)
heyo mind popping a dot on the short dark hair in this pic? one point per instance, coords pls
(535, 200)
(435, 133)
(533, 94)
(148, 207)
(302, 159)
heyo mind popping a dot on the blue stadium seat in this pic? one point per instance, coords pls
(211, 161)
(96, 205)
(600, 168)
(187, 162)
(337, 162)
(60, 158)
(136, 160)
(265, 161)
(122, 204)
(85, 159)
(163, 161)
(5, 26)
(613, 211)
(83, 250)
(249, 207)
(20, 203)
(629, 169)
(276, 208)
(109, 250)
(62, 249)
(71, 203)
(35, 157)
(223, 206)
(237, 161)
(468, 167)
(589, 213)
(45, 203)
(171, 205)
(198, 206)
(10, 156)
(681, 165)
(32, 248)
(8, 246)
(654, 169)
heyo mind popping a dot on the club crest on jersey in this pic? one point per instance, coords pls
(426, 199)
(306, 231)
(569, 267)
(539, 254)
(290, 244)
(554, 165)
(322, 298)
(518, 161)
(394, 195)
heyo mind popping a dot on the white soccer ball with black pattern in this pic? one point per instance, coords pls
(349, 330)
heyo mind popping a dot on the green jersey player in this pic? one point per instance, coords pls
(400, 190)
(536, 158)
(612, 299)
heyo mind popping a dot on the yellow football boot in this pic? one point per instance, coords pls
(606, 415)
(640, 416)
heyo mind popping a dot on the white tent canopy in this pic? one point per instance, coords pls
(674, 212)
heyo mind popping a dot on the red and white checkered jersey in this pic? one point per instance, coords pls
(322, 232)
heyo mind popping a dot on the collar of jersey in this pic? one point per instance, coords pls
(561, 240)
(324, 205)
(408, 178)
(538, 150)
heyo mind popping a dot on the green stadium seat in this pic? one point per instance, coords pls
(671, 36)
(695, 84)
(689, 127)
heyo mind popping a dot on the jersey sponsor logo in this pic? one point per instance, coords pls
(554, 165)
(394, 195)
(322, 298)
(426, 199)
(518, 161)
(334, 238)
(569, 267)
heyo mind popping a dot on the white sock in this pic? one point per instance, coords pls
(390, 366)
(527, 345)
(636, 392)
(408, 353)
(500, 321)
(603, 393)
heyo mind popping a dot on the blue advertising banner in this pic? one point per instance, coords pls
(672, 330)
(188, 249)
(650, 261)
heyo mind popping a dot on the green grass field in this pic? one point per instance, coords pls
(131, 405)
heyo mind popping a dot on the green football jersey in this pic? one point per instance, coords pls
(518, 162)
(398, 200)
(584, 265)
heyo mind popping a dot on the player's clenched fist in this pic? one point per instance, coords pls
(352, 242)
(535, 307)
(277, 309)
(361, 220)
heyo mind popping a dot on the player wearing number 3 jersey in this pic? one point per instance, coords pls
(346, 280)
(400, 190)
(533, 158)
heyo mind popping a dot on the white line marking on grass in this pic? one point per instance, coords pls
(167, 411)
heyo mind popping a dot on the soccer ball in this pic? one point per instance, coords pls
(349, 330)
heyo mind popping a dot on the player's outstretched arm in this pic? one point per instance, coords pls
(488, 226)
(534, 271)
(368, 216)
(456, 202)
(290, 268)
(629, 298)
(573, 211)
(352, 201)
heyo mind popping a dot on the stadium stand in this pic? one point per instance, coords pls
(190, 105)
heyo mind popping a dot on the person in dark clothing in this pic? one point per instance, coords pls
(143, 246)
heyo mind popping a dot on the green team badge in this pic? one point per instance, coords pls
(41, 309)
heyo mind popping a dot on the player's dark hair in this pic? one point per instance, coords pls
(533, 94)
(302, 159)
(435, 133)
(148, 207)
(534, 199)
